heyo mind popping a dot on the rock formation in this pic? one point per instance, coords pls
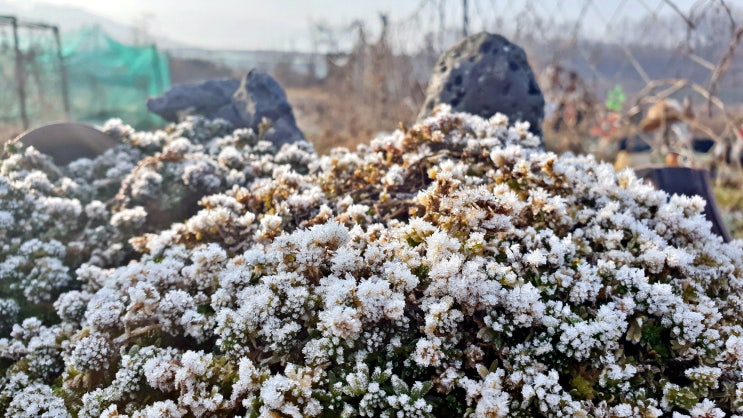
(485, 74)
(242, 103)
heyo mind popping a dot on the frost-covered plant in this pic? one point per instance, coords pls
(198, 158)
(449, 269)
(53, 219)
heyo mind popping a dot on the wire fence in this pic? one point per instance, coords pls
(601, 64)
(635, 82)
(32, 75)
(582, 51)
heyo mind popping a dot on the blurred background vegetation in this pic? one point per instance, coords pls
(602, 66)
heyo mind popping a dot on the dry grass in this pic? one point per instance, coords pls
(330, 118)
(8, 132)
(730, 202)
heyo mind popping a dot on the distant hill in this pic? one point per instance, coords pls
(69, 19)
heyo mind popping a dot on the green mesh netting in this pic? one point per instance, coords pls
(108, 79)
(29, 69)
(105, 78)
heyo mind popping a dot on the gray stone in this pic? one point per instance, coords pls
(260, 96)
(244, 103)
(485, 74)
(205, 99)
(67, 142)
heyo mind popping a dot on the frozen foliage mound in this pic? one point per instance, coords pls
(450, 269)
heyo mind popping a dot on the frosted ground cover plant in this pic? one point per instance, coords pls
(450, 269)
(52, 219)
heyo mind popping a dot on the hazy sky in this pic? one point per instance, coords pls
(283, 24)
(235, 24)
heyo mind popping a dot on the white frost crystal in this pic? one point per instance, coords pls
(448, 269)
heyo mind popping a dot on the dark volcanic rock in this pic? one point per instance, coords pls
(260, 96)
(206, 99)
(244, 103)
(485, 74)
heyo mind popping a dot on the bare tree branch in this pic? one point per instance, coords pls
(722, 67)
(730, 16)
(688, 21)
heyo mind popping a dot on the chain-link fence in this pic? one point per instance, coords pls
(596, 57)
(601, 64)
(635, 82)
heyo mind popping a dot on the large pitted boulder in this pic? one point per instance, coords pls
(485, 74)
(244, 103)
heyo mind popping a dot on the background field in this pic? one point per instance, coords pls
(353, 80)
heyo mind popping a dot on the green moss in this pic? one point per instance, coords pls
(582, 388)
(656, 339)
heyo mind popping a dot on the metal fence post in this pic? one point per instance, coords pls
(19, 75)
(63, 74)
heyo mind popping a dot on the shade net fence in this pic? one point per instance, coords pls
(84, 76)
(31, 75)
(601, 64)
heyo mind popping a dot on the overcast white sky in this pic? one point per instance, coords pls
(283, 24)
(234, 24)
